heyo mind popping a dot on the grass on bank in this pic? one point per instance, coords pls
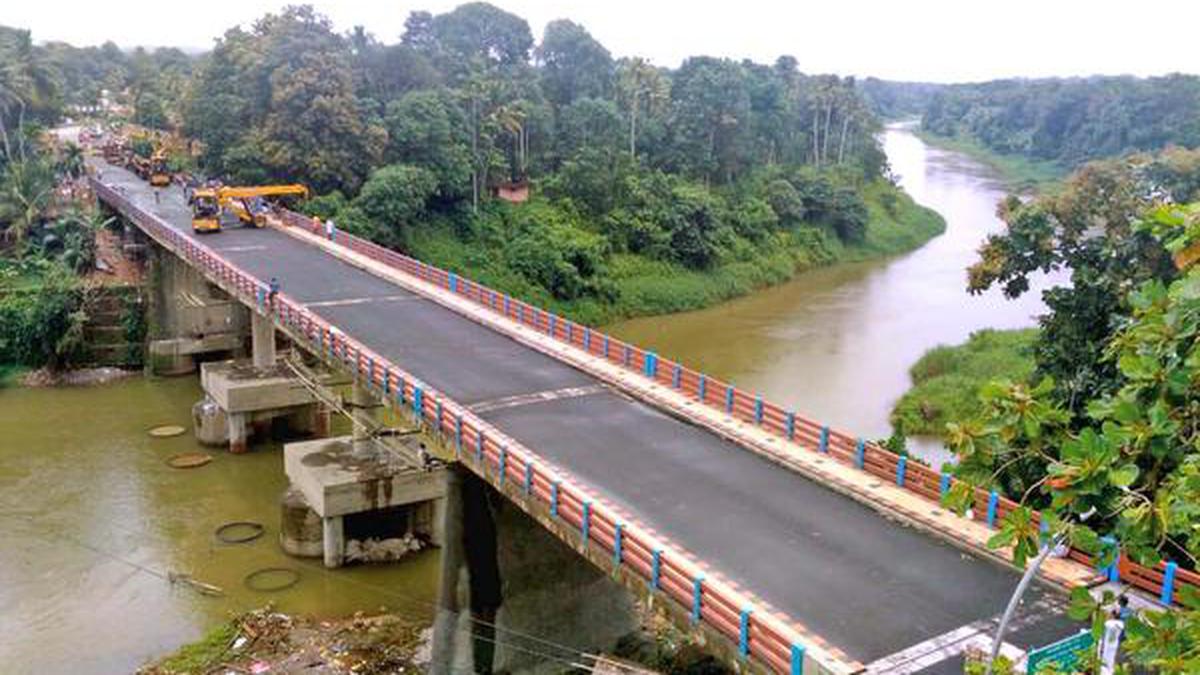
(1018, 173)
(647, 287)
(201, 656)
(947, 379)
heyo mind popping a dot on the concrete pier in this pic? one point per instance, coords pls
(249, 396)
(189, 318)
(342, 478)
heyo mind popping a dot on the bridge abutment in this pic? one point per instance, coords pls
(189, 319)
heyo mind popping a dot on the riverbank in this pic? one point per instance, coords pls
(266, 641)
(947, 379)
(640, 286)
(1017, 173)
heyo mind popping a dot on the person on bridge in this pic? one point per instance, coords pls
(272, 291)
(1110, 642)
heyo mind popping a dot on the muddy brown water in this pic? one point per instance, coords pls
(93, 519)
(836, 344)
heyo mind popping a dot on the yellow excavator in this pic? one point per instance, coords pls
(247, 203)
(160, 176)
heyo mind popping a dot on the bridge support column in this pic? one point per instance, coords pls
(446, 623)
(363, 407)
(262, 338)
(239, 433)
(334, 546)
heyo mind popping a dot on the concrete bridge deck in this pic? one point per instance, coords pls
(870, 587)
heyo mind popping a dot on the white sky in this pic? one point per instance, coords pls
(934, 40)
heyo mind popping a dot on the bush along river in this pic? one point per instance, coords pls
(835, 344)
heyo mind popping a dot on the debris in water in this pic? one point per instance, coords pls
(167, 431)
(199, 586)
(189, 460)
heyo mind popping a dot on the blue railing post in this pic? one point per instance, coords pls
(400, 390)
(605, 347)
(587, 339)
(387, 382)
(651, 364)
(744, 632)
(503, 464)
(554, 499)
(703, 386)
(479, 448)
(570, 328)
(791, 426)
(729, 398)
(758, 410)
(418, 403)
(528, 477)
(458, 435)
(1113, 570)
(507, 306)
(824, 446)
(860, 453)
(628, 356)
(452, 282)
(585, 522)
(697, 589)
(992, 507)
(945, 486)
(677, 376)
(551, 325)
(1168, 584)
(901, 466)
(655, 569)
(797, 660)
(617, 528)
(438, 413)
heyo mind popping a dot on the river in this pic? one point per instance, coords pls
(93, 519)
(835, 344)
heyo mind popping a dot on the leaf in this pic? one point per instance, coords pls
(1123, 476)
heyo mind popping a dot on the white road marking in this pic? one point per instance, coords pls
(359, 301)
(536, 397)
(242, 249)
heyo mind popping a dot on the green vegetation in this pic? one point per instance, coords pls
(1018, 172)
(1104, 436)
(947, 379)
(1070, 121)
(652, 189)
(201, 656)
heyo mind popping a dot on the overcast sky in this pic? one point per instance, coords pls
(934, 40)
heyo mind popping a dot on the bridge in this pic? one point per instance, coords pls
(786, 545)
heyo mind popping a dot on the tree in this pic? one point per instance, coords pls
(710, 118)
(643, 90)
(1135, 463)
(396, 196)
(427, 129)
(479, 33)
(573, 64)
(1087, 229)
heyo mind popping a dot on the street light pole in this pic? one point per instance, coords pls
(1030, 573)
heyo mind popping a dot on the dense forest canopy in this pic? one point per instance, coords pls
(1069, 121)
(634, 169)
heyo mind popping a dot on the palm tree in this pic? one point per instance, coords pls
(640, 83)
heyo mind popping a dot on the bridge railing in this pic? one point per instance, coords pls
(503, 461)
(988, 507)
